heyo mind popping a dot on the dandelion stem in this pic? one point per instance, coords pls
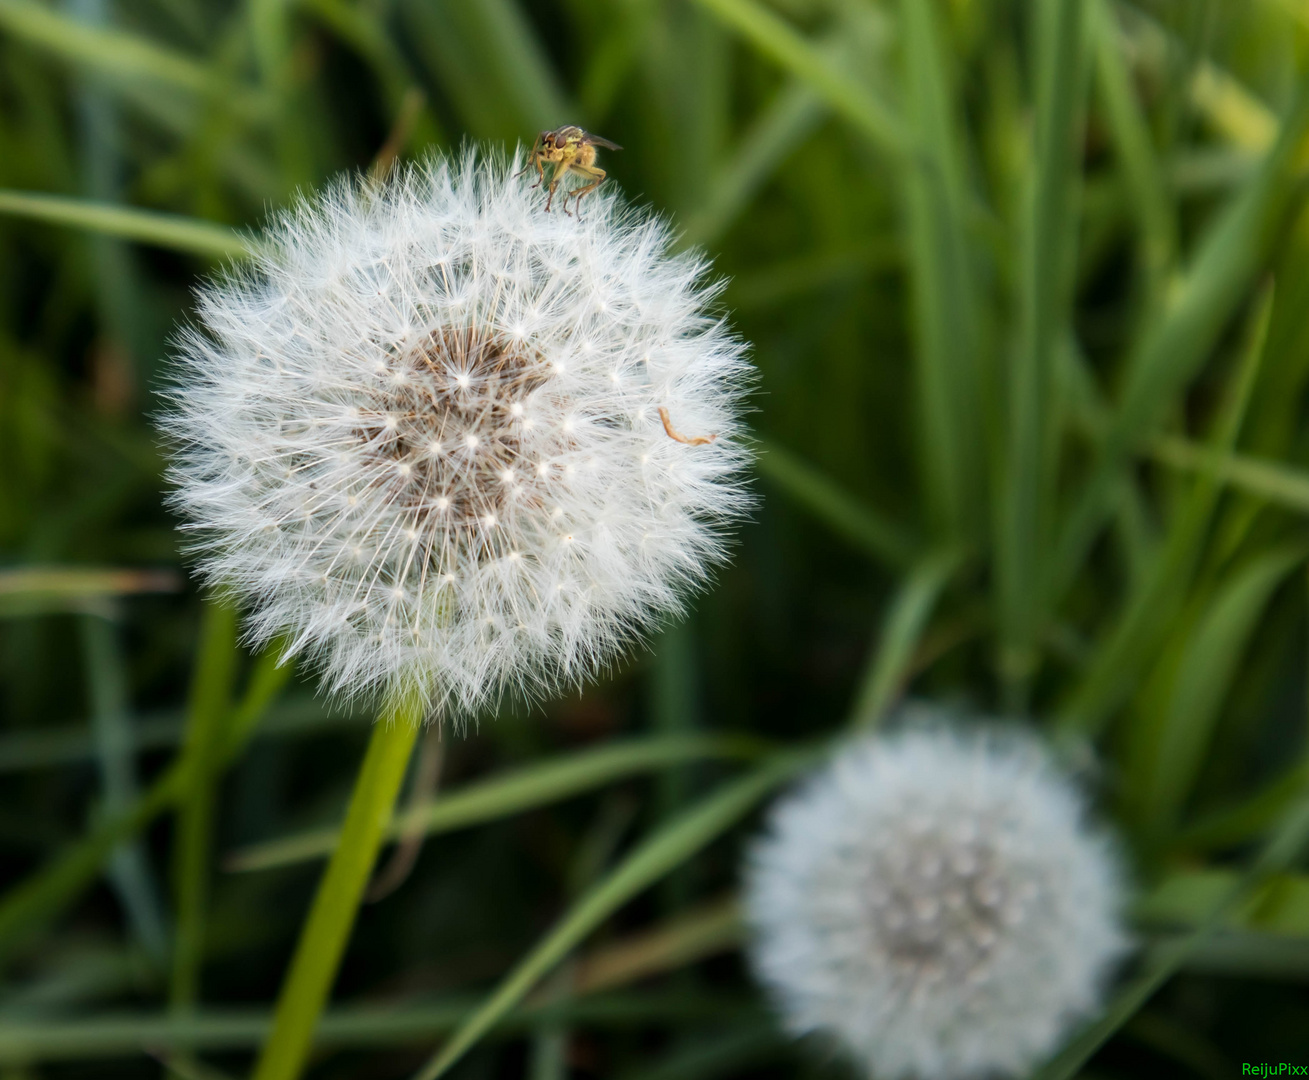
(322, 942)
(423, 789)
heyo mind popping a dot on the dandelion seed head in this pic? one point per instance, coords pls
(934, 903)
(425, 359)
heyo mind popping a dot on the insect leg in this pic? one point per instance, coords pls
(533, 159)
(554, 183)
(599, 178)
(540, 172)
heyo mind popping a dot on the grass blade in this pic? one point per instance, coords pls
(144, 226)
(841, 512)
(1168, 747)
(41, 897)
(668, 848)
(1252, 956)
(122, 1035)
(486, 59)
(1133, 641)
(521, 66)
(780, 127)
(512, 792)
(1237, 113)
(360, 27)
(210, 705)
(682, 939)
(725, 1054)
(781, 281)
(1174, 348)
(1270, 481)
(775, 39)
(158, 730)
(1185, 897)
(1237, 824)
(271, 673)
(1131, 135)
(108, 692)
(1045, 294)
(906, 619)
(121, 55)
(38, 590)
(109, 51)
(945, 320)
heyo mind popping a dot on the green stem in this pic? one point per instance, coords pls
(326, 931)
(210, 708)
(42, 896)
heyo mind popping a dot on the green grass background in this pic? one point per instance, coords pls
(1027, 283)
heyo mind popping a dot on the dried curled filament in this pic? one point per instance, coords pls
(673, 433)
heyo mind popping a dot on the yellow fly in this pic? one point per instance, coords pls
(568, 150)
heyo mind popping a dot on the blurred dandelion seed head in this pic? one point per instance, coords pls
(934, 902)
(420, 436)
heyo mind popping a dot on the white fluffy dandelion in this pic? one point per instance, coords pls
(435, 434)
(934, 904)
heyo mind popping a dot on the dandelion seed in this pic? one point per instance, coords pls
(391, 349)
(919, 948)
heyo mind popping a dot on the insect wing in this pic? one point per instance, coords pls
(595, 140)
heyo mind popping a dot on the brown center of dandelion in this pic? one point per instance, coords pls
(449, 444)
(941, 906)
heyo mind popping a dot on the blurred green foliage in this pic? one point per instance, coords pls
(1026, 283)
